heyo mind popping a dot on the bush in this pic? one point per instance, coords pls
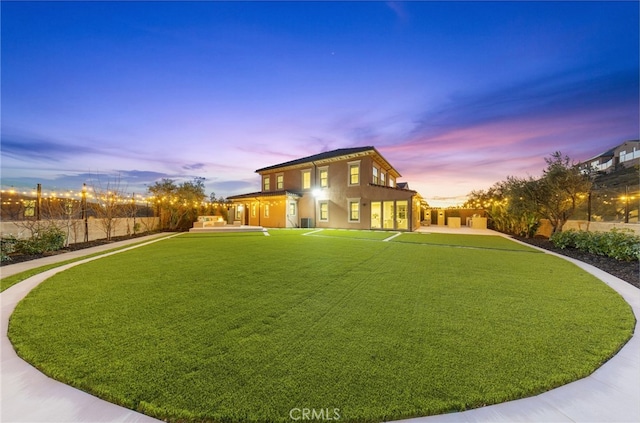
(45, 240)
(7, 246)
(622, 244)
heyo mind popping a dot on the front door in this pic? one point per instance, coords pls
(292, 214)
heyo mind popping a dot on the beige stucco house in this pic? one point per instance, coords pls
(349, 188)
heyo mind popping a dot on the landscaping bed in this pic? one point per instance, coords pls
(19, 258)
(628, 271)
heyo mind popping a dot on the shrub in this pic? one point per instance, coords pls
(565, 239)
(622, 245)
(45, 240)
(619, 244)
(7, 246)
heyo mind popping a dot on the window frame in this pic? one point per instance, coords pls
(324, 182)
(350, 202)
(353, 165)
(279, 181)
(266, 183)
(320, 217)
(302, 176)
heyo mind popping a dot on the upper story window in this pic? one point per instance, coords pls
(324, 177)
(306, 179)
(382, 179)
(354, 173)
(376, 177)
(392, 182)
(266, 183)
(280, 181)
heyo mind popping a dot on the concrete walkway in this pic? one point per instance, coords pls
(611, 394)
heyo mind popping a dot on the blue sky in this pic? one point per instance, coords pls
(456, 95)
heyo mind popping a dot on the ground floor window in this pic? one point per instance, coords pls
(324, 211)
(376, 215)
(401, 215)
(390, 215)
(354, 210)
(266, 210)
(292, 208)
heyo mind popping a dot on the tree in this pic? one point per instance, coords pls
(178, 205)
(107, 204)
(560, 190)
(517, 204)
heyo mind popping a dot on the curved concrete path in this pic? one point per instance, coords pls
(610, 394)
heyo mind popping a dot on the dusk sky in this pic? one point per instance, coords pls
(455, 95)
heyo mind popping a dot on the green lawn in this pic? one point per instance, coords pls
(343, 233)
(467, 241)
(9, 281)
(244, 328)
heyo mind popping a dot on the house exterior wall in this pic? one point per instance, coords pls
(626, 154)
(326, 189)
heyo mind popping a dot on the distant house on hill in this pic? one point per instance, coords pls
(351, 188)
(626, 154)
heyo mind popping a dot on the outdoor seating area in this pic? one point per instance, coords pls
(209, 221)
(477, 222)
(219, 224)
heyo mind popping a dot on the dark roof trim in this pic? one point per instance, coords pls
(394, 188)
(327, 155)
(264, 194)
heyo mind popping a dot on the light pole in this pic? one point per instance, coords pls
(84, 212)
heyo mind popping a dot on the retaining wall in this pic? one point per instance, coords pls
(545, 228)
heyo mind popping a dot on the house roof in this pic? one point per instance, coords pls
(612, 151)
(333, 155)
(264, 194)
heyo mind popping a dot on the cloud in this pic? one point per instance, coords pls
(560, 95)
(26, 148)
(194, 166)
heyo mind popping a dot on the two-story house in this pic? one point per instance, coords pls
(350, 188)
(626, 154)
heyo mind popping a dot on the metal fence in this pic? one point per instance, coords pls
(620, 204)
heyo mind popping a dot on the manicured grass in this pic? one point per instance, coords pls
(341, 233)
(245, 328)
(9, 281)
(468, 241)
